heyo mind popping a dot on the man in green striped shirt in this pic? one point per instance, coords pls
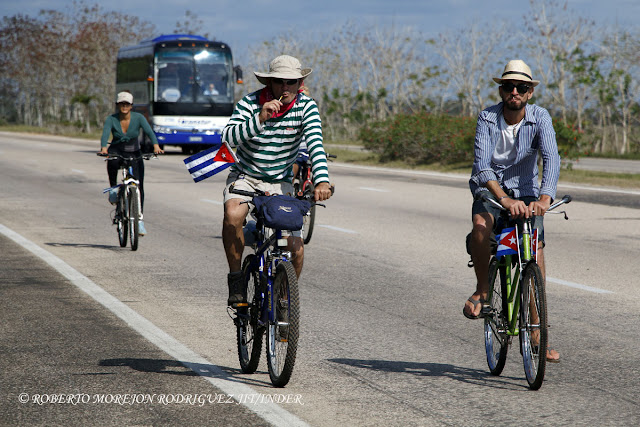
(267, 127)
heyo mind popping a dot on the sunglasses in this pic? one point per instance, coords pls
(522, 88)
(289, 82)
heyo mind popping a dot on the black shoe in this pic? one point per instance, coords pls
(237, 289)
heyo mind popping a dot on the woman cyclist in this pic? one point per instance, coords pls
(124, 126)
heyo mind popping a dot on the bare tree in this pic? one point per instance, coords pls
(191, 24)
(556, 35)
(56, 58)
(471, 58)
(621, 50)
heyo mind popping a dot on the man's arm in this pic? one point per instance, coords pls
(483, 173)
(243, 124)
(550, 157)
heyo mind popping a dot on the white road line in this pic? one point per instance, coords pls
(466, 177)
(602, 189)
(374, 189)
(269, 411)
(578, 286)
(215, 202)
(405, 171)
(77, 171)
(344, 230)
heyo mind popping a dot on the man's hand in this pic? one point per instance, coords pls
(269, 109)
(517, 208)
(323, 191)
(540, 207)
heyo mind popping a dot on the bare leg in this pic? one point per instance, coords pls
(552, 355)
(232, 234)
(296, 246)
(481, 254)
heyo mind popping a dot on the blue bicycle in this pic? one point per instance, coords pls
(273, 302)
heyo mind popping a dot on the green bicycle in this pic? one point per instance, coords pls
(517, 303)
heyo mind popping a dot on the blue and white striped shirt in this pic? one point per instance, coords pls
(536, 134)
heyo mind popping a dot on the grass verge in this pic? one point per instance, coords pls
(355, 156)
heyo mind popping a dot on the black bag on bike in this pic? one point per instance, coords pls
(281, 212)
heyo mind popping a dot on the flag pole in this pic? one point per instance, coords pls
(235, 159)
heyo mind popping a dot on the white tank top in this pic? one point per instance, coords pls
(505, 152)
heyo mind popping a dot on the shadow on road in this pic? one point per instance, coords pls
(160, 366)
(174, 367)
(84, 245)
(465, 375)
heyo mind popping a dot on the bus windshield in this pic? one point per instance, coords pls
(193, 75)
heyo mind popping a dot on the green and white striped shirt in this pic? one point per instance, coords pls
(268, 150)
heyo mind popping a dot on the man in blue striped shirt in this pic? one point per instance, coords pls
(267, 128)
(509, 137)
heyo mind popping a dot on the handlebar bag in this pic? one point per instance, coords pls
(281, 212)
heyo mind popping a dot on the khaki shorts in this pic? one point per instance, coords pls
(248, 183)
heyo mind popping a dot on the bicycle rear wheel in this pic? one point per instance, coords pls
(249, 333)
(533, 325)
(134, 217)
(122, 222)
(282, 335)
(496, 341)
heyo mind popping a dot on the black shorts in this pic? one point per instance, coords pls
(481, 206)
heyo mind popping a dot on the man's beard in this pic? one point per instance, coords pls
(517, 107)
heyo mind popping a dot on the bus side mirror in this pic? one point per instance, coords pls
(238, 72)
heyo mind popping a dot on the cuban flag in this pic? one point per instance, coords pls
(209, 162)
(507, 242)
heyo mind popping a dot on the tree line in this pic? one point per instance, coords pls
(60, 68)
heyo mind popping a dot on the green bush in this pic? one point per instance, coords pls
(568, 138)
(421, 138)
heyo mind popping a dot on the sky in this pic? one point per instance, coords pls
(246, 23)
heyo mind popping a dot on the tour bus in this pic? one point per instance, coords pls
(183, 84)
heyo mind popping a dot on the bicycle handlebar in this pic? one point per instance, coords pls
(566, 199)
(110, 156)
(257, 193)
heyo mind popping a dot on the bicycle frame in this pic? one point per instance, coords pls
(268, 256)
(129, 199)
(516, 305)
(512, 276)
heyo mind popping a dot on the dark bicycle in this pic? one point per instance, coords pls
(273, 304)
(304, 187)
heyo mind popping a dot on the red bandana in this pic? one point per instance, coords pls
(266, 96)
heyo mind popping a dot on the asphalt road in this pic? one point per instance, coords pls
(383, 339)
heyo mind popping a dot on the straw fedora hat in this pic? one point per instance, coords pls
(283, 67)
(516, 69)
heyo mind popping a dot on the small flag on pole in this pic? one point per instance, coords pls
(209, 162)
(507, 242)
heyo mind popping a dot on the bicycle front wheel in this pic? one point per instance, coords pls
(122, 222)
(282, 335)
(134, 217)
(533, 325)
(496, 341)
(308, 222)
(249, 333)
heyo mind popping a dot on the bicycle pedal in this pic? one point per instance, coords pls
(241, 304)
